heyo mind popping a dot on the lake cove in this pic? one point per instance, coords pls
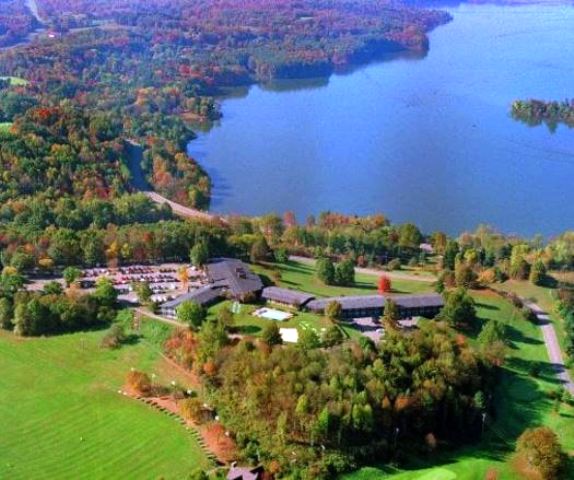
(428, 140)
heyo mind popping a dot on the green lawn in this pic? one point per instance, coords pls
(300, 276)
(16, 80)
(521, 402)
(62, 416)
(252, 325)
(543, 296)
(5, 126)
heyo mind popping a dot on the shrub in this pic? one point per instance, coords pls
(271, 335)
(191, 409)
(394, 264)
(139, 383)
(114, 338)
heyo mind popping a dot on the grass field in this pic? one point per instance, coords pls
(5, 126)
(16, 80)
(543, 296)
(521, 403)
(63, 418)
(301, 276)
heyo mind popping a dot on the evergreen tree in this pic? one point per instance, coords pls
(326, 271)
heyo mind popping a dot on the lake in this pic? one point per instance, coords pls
(425, 140)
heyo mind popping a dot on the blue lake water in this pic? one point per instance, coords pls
(427, 140)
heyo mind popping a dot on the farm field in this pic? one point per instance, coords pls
(62, 416)
(300, 276)
(521, 402)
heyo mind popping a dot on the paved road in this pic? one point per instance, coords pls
(179, 209)
(135, 156)
(372, 271)
(33, 7)
(552, 345)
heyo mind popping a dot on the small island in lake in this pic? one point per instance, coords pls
(552, 113)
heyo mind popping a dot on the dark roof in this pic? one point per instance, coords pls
(202, 296)
(234, 275)
(378, 301)
(419, 301)
(284, 295)
(244, 473)
(349, 303)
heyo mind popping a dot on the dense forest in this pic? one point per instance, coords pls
(16, 22)
(536, 112)
(309, 412)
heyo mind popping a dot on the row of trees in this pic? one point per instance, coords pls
(342, 273)
(52, 310)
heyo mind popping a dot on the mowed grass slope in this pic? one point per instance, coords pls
(62, 417)
(521, 402)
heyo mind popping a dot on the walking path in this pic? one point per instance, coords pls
(373, 271)
(552, 345)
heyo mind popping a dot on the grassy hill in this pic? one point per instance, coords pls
(62, 416)
(521, 403)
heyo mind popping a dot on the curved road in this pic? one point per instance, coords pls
(552, 345)
(135, 156)
(33, 7)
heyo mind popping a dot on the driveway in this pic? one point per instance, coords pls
(552, 345)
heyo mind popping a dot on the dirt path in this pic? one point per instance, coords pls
(375, 272)
(552, 345)
(169, 321)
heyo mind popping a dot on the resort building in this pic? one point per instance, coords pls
(228, 278)
(286, 297)
(203, 296)
(374, 305)
(234, 277)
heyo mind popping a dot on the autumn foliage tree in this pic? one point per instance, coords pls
(539, 452)
(384, 284)
(139, 383)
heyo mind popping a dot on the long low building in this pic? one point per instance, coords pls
(228, 278)
(203, 296)
(287, 297)
(361, 306)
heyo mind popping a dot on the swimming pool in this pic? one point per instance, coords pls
(272, 314)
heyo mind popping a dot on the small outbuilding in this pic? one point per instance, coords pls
(245, 473)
